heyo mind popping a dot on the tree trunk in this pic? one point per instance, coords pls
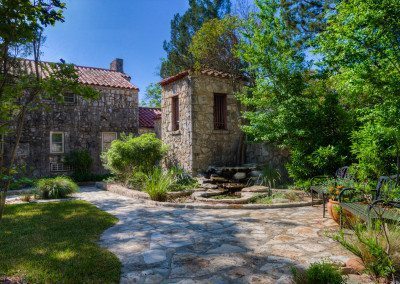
(8, 172)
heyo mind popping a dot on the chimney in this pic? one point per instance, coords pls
(117, 65)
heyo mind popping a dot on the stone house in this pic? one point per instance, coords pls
(149, 120)
(201, 121)
(54, 131)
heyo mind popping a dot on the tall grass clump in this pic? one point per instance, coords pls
(54, 188)
(157, 184)
(318, 273)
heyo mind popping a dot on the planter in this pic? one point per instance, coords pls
(333, 209)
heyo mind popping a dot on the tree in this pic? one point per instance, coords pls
(360, 49)
(152, 96)
(290, 104)
(183, 27)
(23, 89)
(214, 46)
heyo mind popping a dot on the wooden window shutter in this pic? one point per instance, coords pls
(220, 112)
(175, 113)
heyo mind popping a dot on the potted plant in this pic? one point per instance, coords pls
(333, 203)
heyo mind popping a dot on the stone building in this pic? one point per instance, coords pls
(149, 118)
(201, 121)
(57, 129)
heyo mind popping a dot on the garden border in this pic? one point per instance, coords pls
(119, 189)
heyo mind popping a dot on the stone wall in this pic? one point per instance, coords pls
(197, 145)
(179, 141)
(210, 146)
(267, 155)
(82, 123)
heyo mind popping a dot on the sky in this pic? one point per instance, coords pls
(97, 31)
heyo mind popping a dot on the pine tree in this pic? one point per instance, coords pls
(183, 27)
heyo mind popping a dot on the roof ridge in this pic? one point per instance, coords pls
(81, 66)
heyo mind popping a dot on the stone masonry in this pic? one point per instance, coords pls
(82, 123)
(197, 145)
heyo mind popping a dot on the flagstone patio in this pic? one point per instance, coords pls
(172, 245)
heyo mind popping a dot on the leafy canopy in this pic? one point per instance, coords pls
(183, 27)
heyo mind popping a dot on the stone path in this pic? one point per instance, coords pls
(171, 245)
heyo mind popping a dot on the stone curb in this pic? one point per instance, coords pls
(121, 190)
(232, 206)
(118, 189)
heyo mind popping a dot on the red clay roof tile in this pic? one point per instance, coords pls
(89, 75)
(147, 115)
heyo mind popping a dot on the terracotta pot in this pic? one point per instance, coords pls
(333, 209)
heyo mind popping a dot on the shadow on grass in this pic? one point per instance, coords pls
(56, 242)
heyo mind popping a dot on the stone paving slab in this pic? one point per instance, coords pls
(175, 245)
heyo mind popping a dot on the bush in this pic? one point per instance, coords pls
(379, 250)
(133, 154)
(80, 161)
(53, 188)
(157, 184)
(136, 180)
(319, 273)
(21, 183)
(181, 180)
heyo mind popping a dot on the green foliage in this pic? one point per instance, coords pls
(372, 246)
(64, 236)
(319, 273)
(133, 154)
(214, 46)
(182, 180)
(290, 104)
(21, 183)
(157, 184)
(183, 27)
(80, 161)
(152, 96)
(54, 188)
(359, 52)
(137, 179)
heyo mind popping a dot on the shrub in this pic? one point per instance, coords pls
(319, 273)
(80, 161)
(136, 180)
(133, 154)
(181, 180)
(157, 184)
(58, 187)
(21, 183)
(379, 250)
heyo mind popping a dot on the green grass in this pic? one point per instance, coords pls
(56, 243)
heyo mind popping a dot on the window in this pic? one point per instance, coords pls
(69, 98)
(220, 111)
(56, 142)
(175, 113)
(59, 167)
(106, 139)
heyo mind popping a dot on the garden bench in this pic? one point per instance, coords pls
(374, 210)
(318, 185)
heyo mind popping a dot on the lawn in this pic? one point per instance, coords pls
(56, 242)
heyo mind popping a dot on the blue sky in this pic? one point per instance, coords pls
(97, 31)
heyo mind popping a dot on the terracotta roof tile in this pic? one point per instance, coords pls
(89, 75)
(208, 72)
(147, 115)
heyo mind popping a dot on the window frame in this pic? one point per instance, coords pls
(62, 142)
(220, 113)
(70, 102)
(175, 113)
(102, 138)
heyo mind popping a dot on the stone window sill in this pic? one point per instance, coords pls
(220, 131)
(175, 132)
